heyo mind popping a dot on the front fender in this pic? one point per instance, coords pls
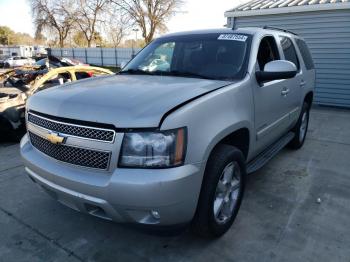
(212, 117)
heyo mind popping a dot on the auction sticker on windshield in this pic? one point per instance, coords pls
(234, 37)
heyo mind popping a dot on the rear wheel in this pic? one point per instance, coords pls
(6, 65)
(221, 193)
(300, 129)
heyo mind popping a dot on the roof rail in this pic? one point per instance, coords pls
(279, 29)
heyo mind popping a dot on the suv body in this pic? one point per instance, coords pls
(98, 145)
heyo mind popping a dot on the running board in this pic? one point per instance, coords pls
(266, 155)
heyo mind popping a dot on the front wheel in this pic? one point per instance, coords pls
(300, 129)
(222, 192)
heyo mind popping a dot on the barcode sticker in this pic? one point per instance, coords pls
(233, 37)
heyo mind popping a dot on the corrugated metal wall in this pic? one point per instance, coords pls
(327, 34)
(97, 56)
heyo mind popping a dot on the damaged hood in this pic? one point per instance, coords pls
(126, 101)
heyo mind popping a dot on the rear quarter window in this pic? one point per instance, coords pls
(305, 53)
(289, 51)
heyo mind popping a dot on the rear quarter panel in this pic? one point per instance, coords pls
(309, 76)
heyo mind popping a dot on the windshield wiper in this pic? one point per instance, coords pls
(165, 73)
(135, 72)
(188, 74)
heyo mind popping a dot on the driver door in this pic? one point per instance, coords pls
(271, 108)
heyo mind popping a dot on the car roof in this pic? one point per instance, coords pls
(245, 30)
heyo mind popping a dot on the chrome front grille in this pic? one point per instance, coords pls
(105, 135)
(70, 154)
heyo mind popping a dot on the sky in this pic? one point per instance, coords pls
(202, 14)
(16, 15)
(196, 14)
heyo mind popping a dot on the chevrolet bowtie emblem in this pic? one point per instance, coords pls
(55, 138)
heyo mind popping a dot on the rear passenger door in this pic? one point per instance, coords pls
(293, 85)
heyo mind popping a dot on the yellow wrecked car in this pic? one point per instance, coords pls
(20, 83)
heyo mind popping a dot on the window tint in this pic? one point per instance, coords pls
(289, 51)
(267, 51)
(305, 53)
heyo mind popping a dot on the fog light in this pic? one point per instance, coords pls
(155, 214)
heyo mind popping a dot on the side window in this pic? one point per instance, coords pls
(267, 51)
(289, 51)
(305, 53)
(55, 80)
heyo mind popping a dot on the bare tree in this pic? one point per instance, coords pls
(116, 27)
(150, 15)
(53, 14)
(90, 15)
(115, 35)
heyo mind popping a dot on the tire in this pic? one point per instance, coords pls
(300, 128)
(8, 134)
(16, 135)
(212, 196)
(6, 65)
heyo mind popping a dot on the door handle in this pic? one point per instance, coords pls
(302, 83)
(284, 91)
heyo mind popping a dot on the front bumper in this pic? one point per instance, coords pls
(145, 196)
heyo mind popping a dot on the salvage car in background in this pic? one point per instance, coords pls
(16, 61)
(24, 82)
(28, 73)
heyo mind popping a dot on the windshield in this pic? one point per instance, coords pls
(209, 56)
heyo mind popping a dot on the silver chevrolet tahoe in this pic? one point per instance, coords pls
(170, 139)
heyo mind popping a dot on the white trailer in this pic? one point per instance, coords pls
(18, 50)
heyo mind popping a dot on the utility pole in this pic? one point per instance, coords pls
(133, 51)
(8, 44)
(135, 30)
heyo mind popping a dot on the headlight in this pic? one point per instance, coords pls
(154, 149)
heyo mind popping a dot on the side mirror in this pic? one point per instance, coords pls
(277, 69)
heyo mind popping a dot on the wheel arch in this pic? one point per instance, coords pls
(309, 97)
(239, 137)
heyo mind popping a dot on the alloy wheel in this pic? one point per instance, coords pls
(303, 126)
(227, 192)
